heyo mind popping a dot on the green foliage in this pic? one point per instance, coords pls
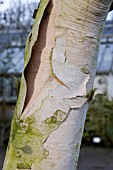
(99, 121)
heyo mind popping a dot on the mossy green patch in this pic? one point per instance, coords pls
(26, 143)
(23, 165)
(76, 153)
(21, 127)
(51, 120)
(26, 140)
(77, 147)
(45, 153)
(27, 149)
(57, 118)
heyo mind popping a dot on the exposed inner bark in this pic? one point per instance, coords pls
(38, 69)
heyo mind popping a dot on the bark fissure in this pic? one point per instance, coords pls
(29, 45)
(33, 66)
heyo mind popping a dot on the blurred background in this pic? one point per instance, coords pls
(97, 144)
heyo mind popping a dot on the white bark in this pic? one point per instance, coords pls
(65, 75)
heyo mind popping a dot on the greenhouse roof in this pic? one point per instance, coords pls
(105, 57)
(12, 44)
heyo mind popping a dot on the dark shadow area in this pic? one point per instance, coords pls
(2, 156)
(111, 7)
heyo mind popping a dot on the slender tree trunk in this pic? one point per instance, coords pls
(60, 65)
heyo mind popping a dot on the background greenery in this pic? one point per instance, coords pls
(99, 121)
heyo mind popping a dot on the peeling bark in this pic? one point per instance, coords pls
(60, 65)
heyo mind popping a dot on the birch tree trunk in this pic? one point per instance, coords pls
(60, 65)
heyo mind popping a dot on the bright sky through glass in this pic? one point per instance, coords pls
(6, 3)
(110, 16)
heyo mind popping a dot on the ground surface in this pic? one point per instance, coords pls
(94, 158)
